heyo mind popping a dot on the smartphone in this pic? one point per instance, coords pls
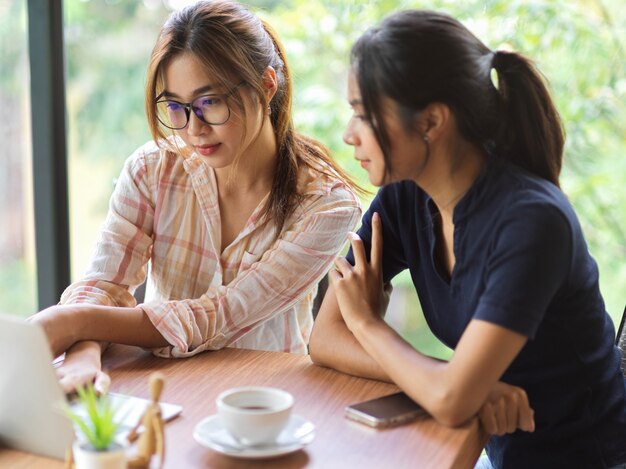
(386, 411)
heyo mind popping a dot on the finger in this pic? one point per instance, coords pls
(70, 382)
(334, 275)
(343, 267)
(388, 288)
(67, 385)
(512, 408)
(500, 411)
(358, 250)
(101, 383)
(376, 253)
(487, 418)
(526, 415)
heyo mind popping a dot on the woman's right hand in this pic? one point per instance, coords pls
(82, 366)
(506, 410)
(59, 323)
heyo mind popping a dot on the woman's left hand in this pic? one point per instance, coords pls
(506, 410)
(360, 292)
(58, 323)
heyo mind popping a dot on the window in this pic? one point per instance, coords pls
(107, 48)
(18, 294)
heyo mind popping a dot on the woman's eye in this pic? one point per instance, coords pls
(173, 106)
(208, 101)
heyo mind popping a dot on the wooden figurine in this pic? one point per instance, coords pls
(152, 440)
(69, 458)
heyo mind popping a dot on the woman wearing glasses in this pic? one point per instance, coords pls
(235, 215)
(471, 205)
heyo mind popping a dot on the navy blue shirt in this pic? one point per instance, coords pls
(522, 263)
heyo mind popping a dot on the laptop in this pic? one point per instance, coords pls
(31, 398)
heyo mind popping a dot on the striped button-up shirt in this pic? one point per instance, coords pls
(164, 216)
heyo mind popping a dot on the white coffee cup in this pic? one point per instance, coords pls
(254, 414)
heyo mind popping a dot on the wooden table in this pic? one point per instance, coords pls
(320, 396)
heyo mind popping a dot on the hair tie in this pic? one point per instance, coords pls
(493, 71)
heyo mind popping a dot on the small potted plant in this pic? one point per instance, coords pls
(97, 425)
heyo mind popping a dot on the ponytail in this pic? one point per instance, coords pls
(294, 149)
(283, 196)
(530, 133)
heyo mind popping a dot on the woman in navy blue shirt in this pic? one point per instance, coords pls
(471, 205)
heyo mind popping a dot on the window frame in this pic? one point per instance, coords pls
(49, 148)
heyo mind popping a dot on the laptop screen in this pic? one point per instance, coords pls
(31, 399)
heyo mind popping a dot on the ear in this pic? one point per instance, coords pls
(270, 83)
(434, 121)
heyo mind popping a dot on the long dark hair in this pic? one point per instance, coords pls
(419, 57)
(234, 46)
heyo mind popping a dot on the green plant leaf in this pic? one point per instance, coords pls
(100, 425)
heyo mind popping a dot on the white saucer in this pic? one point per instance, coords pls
(211, 433)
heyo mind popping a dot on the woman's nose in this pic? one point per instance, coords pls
(348, 135)
(195, 126)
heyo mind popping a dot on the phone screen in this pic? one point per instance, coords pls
(387, 411)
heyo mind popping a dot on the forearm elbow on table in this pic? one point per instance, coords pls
(453, 417)
(317, 350)
(324, 350)
(451, 409)
(318, 359)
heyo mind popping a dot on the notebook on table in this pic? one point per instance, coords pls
(31, 398)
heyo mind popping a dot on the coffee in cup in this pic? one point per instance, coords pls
(254, 415)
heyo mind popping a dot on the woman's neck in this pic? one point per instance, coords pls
(450, 174)
(255, 169)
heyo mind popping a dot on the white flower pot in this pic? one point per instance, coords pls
(85, 457)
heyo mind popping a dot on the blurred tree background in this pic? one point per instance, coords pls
(578, 44)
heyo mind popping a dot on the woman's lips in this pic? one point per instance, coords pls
(207, 150)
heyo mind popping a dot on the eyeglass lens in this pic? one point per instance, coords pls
(210, 109)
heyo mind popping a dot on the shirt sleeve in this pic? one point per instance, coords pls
(118, 265)
(297, 260)
(528, 265)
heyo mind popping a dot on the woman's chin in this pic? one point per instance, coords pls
(378, 180)
(373, 178)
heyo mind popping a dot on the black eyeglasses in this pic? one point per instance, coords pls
(211, 109)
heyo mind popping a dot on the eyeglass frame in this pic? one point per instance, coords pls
(188, 107)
